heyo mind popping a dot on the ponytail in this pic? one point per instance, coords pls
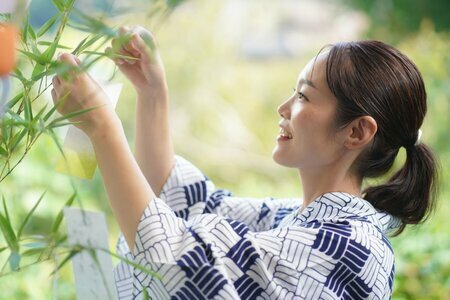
(370, 78)
(411, 192)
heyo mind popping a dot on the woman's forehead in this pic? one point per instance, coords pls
(314, 71)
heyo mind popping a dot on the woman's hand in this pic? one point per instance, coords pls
(76, 91)
(146, 70)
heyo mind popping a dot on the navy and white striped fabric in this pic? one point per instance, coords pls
(206, 244)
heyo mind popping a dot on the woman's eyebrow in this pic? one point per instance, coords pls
(307, 82)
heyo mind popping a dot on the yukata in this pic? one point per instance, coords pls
(206, 244)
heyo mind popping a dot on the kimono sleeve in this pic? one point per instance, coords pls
(189, 193)
(212, 257)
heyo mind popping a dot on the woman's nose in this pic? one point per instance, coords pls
(283, 110)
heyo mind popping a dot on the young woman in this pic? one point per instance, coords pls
(354, 106)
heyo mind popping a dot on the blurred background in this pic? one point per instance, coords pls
(229, 65)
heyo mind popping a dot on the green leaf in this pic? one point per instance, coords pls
(65, 260)
(49, 53)
(34, 57)
(46, 43)
(27, 218)
(37, 70)
(146, 296)
(47, 25)
(62, 124)
(110, 55)
(74, 114)
(25, 30)
(14, 261)
(59, 4)
(34, 251)
(9, 234)
(133, 264)
(17, 74)
(3, 249)
(31, 32)
(89, 42)
(17, 138)
(14, 100)
(52, 134)
(78, 47)
(3, 151)
(60, 215)
(27, 108)
(5, 208)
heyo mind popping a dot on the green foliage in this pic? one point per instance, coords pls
(393, 20)
(224, 119)
(28, 119)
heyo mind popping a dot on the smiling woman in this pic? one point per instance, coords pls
(353, 107)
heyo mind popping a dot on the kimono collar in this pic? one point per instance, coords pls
(336, 206)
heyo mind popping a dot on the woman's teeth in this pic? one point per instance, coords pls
(286, 134)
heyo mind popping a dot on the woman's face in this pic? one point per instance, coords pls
(308, 139)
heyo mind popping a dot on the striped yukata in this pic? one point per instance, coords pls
(206, 244)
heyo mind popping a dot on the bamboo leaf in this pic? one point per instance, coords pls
(62, 124)
(30, 213)
(9, 234)
(38, 69)
(59, 5)
(55, 139)
(133, 264)
(5, 209)
(80, 44)
(17, 138)
(113, 55)
(3, 151)
(65, 260)
(49, 53)
(14, 261)
(47, 25)
(60, 215)
(146, 296)
(74, 114)
(24, 32)
(34, 251)
(28, 109)
(89, 42)
(14, 100)
(34, 57)
(46, 43)
(31, 32)
(17, 74)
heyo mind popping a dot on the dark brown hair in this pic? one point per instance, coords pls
(370, 78)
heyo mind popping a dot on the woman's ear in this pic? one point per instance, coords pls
(360, 132)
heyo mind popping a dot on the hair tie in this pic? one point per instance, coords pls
(419, 136)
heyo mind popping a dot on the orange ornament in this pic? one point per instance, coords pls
(8, 38)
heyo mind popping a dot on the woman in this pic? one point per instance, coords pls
(354, 106)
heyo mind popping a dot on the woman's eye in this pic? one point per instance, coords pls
(301, 95)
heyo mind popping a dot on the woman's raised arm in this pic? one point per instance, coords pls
(153, 146)
(128, 190)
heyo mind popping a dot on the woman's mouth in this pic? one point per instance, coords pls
(284, 135)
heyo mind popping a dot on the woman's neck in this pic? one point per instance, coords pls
(318, 182)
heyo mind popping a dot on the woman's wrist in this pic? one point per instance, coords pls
(104, 128)
(153, 97)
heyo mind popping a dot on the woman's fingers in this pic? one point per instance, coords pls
(119, 48)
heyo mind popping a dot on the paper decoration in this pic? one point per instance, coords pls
(79, 154)
(93, 274)
(7, 6)
(8, 39)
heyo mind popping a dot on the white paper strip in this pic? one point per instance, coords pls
(80, 156)
(93, 279)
